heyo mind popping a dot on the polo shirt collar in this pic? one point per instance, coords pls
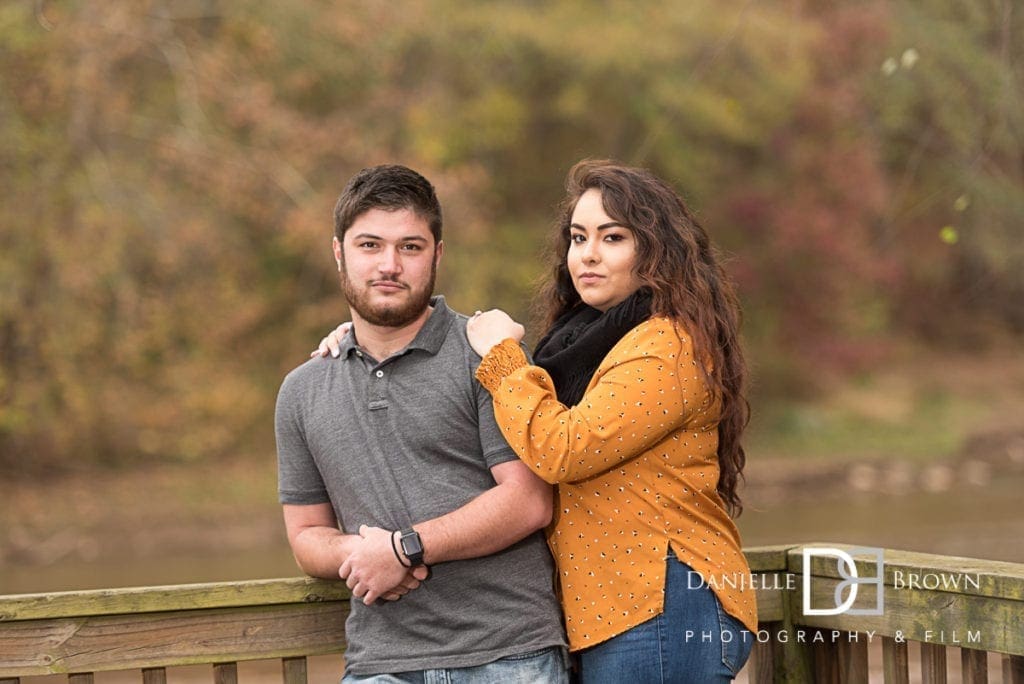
(430, 337)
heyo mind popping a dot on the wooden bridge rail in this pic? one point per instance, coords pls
(936, 602)
(152, 628)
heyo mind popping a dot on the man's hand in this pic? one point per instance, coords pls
(373, 571)
(413, 579)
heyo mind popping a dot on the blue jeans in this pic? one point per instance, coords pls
(537, 667)
(693, 640)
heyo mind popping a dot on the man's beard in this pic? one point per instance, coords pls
(387, 315)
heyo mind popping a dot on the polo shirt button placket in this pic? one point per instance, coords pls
(378, 394)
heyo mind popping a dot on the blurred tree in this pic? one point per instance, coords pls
(949, 113)
(170, 169)
(805, 212)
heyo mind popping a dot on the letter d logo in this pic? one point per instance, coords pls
(847, 570)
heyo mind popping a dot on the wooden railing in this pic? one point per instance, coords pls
(935, 602)
(938, 602)
(152, 628)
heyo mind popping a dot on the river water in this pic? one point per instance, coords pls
(974, 521)
(977, 522)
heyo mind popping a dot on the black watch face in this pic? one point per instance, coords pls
(411, 545)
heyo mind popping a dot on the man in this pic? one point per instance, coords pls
(395, 442)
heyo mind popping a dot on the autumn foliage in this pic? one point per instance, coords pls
(169, 170)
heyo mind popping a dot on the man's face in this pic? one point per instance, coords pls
(388, 261)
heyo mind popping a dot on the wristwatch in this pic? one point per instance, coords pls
(412, 546)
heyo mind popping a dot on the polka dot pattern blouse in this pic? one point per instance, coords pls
(637, 472)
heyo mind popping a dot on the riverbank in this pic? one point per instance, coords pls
(182, 522)
(154, 511)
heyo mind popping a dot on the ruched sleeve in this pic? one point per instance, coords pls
(647, 387)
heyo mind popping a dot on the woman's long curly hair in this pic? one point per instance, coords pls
(677, 262)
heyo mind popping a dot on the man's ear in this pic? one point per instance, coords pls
(336, 248)
(438, 251)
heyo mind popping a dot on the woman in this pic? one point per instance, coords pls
(635, 410)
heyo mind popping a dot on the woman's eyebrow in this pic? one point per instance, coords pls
(610, 224)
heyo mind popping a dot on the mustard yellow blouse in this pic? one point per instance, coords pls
(637, 472)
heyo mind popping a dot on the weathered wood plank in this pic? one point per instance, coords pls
(794, 658)
(973, 666)
(970, 576)
(768, 558)
(771, 598)
(1013, 669)
(154, 675)
(111, 642)
(935, 617)
(826, 659)
(80, 678)
(895, 661)
(933, 664)
(225, 673)
(761, 669)
(853, 660)
(178, 597)
(293, 670)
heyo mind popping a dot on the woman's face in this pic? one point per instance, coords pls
(602, 254)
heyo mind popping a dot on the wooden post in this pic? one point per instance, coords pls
(853, 660)
(225, 673)
(154, 675)
(1013, 669)
(826, 657)
(974, 666)
(761, 669)
(794, 658)
(293, 670)
(933, 663)
(895, 661)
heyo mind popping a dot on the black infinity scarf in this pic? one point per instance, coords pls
(579, 340)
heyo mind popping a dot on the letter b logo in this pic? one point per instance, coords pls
(847, 570)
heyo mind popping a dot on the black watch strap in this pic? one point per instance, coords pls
(412, 546)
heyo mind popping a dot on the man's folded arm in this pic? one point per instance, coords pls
(519, 504)
(318, 545)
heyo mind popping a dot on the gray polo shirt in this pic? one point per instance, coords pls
(392, 443)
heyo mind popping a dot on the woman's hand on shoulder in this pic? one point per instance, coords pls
(487, 329)
(332, 343)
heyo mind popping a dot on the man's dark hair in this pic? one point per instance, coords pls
(389, 187)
